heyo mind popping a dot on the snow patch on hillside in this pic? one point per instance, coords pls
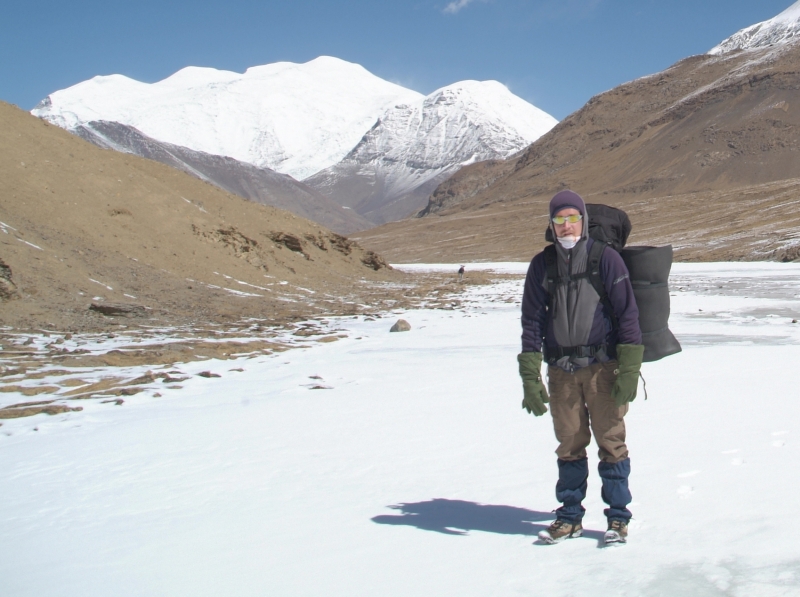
(780, 29)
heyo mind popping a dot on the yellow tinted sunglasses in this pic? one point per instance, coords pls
(572, 219)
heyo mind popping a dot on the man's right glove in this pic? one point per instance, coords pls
(530, 370)
(629, 363)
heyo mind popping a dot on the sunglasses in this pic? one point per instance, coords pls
(572, 219)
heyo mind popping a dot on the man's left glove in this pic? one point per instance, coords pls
(629, 363)
(530, 370)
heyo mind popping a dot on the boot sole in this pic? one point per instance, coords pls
(611, 538)
(545, 538)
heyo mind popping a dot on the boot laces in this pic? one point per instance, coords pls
(562, 526)
(557, 524)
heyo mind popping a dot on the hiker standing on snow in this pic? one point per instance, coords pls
(460, 273)
(593, 364)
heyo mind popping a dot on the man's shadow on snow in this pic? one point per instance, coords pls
(457, 517)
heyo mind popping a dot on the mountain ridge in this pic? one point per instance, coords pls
(710, 130)
(363, 142)
(412, 148)
(295, 119)
(779, 29)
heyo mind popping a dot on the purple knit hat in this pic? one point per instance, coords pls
(565, 199)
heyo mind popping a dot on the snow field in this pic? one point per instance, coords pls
(417, 472)
(299, 119)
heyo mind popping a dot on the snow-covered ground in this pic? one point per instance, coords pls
(414, 471)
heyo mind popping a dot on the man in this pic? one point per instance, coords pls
(593, 366)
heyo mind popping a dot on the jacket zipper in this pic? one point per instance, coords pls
(569, 289)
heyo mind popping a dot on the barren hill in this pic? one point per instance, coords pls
(261, 185)
(703, 155)
(82, 225)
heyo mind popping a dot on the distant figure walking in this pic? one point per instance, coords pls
(461, 273)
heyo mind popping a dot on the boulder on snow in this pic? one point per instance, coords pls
(118, 309)
(401, 325)
(8, 289)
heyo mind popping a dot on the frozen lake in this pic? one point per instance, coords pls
(402, 464)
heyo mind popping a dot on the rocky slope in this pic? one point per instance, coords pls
(690, 152)
(261, 185)
(81, 226)
(414, 147)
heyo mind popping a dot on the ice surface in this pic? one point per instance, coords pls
(417, 472)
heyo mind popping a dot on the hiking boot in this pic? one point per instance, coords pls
(560, 530)
(617, 532)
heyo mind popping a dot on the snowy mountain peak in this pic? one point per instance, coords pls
(322, 65)
(293, 118)
(416, 145)
(494, 101)
(192, 76)
(791, 14)
(368, 144)
(780, 29)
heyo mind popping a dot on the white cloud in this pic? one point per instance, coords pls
(457, 5)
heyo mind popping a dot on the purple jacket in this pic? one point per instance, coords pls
(537, 327)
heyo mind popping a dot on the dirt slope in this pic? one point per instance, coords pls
(704, 155)
(79, 224)
(261, 185)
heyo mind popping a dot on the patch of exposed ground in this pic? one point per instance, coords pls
(92, 238)
(60, 368)
(755, 223)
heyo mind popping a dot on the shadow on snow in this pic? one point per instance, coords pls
(457, 517)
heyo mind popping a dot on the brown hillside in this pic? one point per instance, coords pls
(705, 155)
(79, 224)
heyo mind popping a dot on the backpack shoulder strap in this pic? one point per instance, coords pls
(593, 267)
(551, 274)
(551, 271)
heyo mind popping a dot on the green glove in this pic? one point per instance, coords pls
(530, 370)
(629, 362)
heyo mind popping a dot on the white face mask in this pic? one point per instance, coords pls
(568, 242)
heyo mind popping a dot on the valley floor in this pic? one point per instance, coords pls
(402, 464)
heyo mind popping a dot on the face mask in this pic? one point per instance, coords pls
(568, 242)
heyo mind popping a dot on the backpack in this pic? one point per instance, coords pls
(649, 272)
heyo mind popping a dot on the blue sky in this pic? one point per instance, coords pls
(554, 53)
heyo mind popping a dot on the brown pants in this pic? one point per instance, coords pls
(582, 399)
